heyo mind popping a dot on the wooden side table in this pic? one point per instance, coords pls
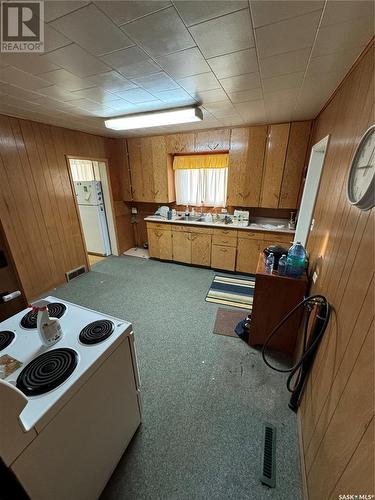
(274, 297)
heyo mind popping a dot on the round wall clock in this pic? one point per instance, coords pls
(361, 182)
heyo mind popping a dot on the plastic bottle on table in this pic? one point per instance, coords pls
(282, 265)
(269, 263)
(296, 260)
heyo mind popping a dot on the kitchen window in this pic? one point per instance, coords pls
(201, 180)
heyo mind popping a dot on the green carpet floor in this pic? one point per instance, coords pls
(205, 397)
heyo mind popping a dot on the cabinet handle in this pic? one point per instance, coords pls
(226, 241)
(246, 195)
(213, 147)
(223, 250)
(154, 193)
(240, 194)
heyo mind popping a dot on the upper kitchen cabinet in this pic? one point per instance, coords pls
(212, 140)
(299, 136)
(151, 170)
(276, 149)
(180, 143)
(246, 157)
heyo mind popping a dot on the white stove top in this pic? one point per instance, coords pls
(27, 345)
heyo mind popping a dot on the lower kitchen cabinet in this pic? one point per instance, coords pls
(181, 244)
(223, 257)
(201, 249)
(248, 254)
(160, 243)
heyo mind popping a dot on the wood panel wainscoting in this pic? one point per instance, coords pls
(37, 207)
(337, 411)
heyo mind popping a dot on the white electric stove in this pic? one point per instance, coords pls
(71, 406)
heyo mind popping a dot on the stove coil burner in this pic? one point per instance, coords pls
(96, 332)
(55, 309)
(6, 338)
(47, 371)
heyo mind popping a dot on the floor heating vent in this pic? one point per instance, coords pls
(268, 476)
(74, 273)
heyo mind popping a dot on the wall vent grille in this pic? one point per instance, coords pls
(74, 273)
(268, 476)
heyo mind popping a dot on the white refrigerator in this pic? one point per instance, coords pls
(94, 222)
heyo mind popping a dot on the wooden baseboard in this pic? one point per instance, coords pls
(302, 458)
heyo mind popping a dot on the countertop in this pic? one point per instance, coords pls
(238, 225)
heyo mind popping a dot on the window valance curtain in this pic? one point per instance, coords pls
(189, 162)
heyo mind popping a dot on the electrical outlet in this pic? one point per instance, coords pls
(312, 224)
(315, 276)
(134, 210)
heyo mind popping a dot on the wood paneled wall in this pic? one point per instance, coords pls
(337, 411)
(37, 207)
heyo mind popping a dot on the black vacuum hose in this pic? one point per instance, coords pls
(315, 337)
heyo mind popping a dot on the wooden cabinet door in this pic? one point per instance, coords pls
(159, 190)
(276, 148)
(248, 255)
(201, 249)
(296, 157)
(165, 245)
(180, 143)
(212, 140)
(246, 157)
(223, 257)
(153, 242)
(181, 245)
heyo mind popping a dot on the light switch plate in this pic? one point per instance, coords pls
(134, 210)
(315, 276)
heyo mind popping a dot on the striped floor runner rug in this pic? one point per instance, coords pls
(232, 291)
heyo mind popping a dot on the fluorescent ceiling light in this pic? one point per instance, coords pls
(155, 119)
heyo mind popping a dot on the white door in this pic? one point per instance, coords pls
(95, 229)
(310, 190)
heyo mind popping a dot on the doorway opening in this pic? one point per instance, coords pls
(90, 182)
(305, 222)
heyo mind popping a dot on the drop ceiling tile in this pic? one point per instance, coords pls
(93, 107)
(31, 63)
(339, 62)
(54, 9)
(207, 96)
(57, 93)
(193, 12)
(125, 11)
(221, 109)
(141, 68)
(131, 62)
(252, 111)
(136, 96)
(156, 82)
(286, 36)
(66, 80)
(246, 95)
(77, 61)
(175, 96)
(338, 11)
(143, 107)
(97, 95)
(242, 82)
(283, 95)
(26, 95)
(196, 83)
(282, 64)
(184, 63)
(290, 81)
(92, 30)
(224, 34)
(110, 81)
(122, 107)
(270, 12)
(236, 63)
(343, 36)
(160, 33)
(22, 79)
(53, 39)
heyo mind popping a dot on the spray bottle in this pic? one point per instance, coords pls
(49, 329)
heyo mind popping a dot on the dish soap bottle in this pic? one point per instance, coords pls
(49, 329)
(296, 260)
